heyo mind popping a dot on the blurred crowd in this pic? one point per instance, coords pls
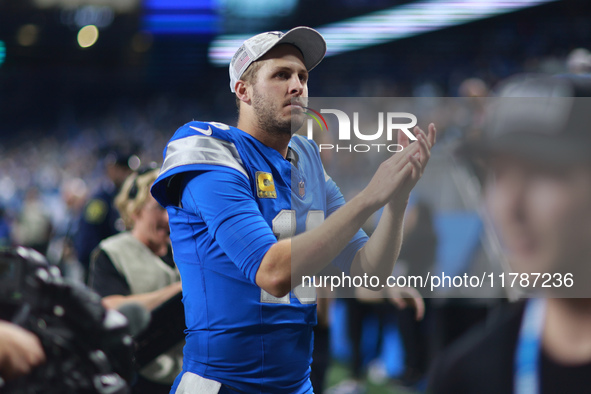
(47, 176)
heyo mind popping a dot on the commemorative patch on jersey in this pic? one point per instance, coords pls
(265, 185)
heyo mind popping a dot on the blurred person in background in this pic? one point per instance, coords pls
(5, 232)
(417, 257)
(129, 267)
(321, 353)
(33, 224)
(451, 316)
(61, 251)
(389, 306)
(578, 61)
(384, 307)
(98, 219)
(536, 154)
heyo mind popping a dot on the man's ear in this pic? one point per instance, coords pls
(242, 91)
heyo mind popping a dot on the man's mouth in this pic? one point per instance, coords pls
(296, 103)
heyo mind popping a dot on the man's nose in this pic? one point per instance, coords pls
(296, 85)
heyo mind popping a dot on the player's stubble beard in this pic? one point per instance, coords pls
(268, 118)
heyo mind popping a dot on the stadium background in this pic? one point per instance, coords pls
(150, 71)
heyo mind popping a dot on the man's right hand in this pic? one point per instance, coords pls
(396, 176)
(20, 351)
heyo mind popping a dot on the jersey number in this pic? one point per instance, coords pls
(284, 226)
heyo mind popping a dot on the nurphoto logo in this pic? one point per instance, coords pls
(394, 121)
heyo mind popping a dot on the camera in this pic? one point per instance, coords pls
(88, 348)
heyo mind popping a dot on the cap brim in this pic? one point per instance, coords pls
(308, 41)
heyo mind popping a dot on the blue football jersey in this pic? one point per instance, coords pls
(229, 198)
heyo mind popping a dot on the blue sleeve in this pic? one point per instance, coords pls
(224, 201)
(335, 200)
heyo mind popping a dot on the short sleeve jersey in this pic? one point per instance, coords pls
(229, 199)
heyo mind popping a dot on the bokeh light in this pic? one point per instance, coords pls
(27, 35)
(87, 36)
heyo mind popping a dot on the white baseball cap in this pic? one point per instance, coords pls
(306, 39)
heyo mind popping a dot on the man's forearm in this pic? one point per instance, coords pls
(315, 249)
(311, 251)
(378, 255)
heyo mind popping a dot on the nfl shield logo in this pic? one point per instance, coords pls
(302, 188)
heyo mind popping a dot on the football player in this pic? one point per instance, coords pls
(252, 210)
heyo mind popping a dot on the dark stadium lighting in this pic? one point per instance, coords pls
(388, 25)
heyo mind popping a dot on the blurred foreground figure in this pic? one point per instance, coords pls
(536, 156)
(60, 338)
(20, 351)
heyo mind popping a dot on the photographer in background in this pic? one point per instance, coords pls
(20, 351)
(128, 267)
